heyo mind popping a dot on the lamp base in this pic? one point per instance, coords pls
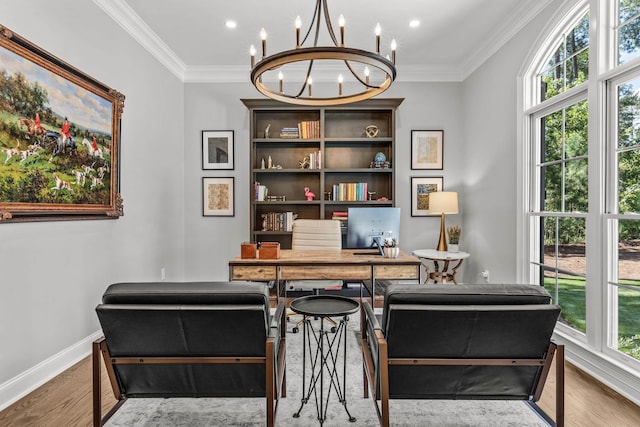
(442, 241)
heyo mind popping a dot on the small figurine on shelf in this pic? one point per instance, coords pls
(308, 194)
(267, 131)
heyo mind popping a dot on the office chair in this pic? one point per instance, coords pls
(309, 235)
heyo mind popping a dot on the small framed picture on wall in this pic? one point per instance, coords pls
(218, 197)
(217, 149)
(427, 149)
(421, 187)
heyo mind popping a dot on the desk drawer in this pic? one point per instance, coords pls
(259, 273)
(319, 272)
(396, 272)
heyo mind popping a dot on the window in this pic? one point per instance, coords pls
(582, 176)
(559, 194)
(624, 215)
(568, 66)
(628, 30)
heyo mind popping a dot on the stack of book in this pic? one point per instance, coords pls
(341, 216)
(260, 192)
(289, 133)
(350, 192)
(278, 221)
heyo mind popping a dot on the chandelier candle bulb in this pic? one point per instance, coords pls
(298, 25)
(252, 52)
(263, 36)
(280, 78)
(366, 75)
(378, 31)
(393, 51)
(340, 80)
(310, 82)
(341, 23)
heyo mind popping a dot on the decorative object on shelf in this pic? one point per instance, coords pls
(421, 188)
(384, 70)
(276, 198)
(380, 161)
(371, 131)
(267, 131)
(217, 197)
(217, 149)
(262, 165)
(269, 163)
(308, 194)
(304, 163)
(371, 194)
(427, 149)
(443, 202)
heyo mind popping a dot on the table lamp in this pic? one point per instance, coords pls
(443, 202)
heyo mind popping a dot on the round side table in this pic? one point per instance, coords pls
(440, 274)
(319, 346)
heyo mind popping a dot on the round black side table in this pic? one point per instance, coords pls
(321, 346)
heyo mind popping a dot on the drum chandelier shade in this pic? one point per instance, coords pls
(356, 63)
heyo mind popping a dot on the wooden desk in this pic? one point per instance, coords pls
(347, 264)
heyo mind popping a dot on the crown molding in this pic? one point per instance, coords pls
(127, 18)
(518, 19)
(131, 22)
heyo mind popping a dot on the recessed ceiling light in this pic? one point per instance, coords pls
(230, 24)
(414, 23)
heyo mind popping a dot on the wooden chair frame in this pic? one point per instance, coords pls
(275, 387)
(382, 407)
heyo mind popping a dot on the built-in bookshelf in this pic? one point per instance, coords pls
(331, 151)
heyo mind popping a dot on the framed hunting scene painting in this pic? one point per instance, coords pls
(59, 138)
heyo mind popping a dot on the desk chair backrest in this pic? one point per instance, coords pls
(187, 319)
(467, 322)
(316, 234)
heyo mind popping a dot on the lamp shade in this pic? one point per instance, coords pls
(445, 202)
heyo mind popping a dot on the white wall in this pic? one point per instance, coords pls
(212, 241)
(491, 141)
(53, 273)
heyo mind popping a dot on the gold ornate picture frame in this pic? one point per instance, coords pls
(59, 138)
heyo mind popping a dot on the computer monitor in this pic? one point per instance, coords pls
(370, 227)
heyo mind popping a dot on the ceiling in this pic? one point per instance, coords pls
(190, 38)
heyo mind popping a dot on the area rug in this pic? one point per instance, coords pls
(251, 412)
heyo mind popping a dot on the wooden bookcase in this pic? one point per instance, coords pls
(345, 150)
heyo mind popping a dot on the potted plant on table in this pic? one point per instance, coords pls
(453, 233)
(391, 249)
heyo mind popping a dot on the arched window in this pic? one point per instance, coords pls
(581, 174)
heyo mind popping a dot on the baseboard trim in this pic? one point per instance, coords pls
(19, 386)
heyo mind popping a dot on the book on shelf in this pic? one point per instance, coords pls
(350, 192)
(260, 192)
(315, 160)
(278, 221)
(290, 132)
(309, 129)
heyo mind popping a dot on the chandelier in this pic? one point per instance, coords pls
(352, 61)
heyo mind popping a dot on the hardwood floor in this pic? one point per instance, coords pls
(66, 401)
